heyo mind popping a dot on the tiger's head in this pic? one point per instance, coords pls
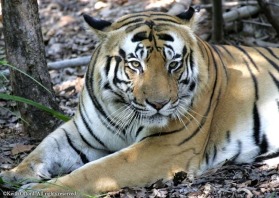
(146, 67)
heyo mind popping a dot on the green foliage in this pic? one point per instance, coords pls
(1, 181)
(35, 104)
(6, 64)
(30, 102)
(273, 195)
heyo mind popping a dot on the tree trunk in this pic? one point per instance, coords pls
(25, 51)
(217, 16)
(271, 11)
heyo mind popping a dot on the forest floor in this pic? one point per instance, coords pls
(65, 37)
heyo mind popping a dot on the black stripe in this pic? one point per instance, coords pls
(141, 53)
(165, 37)
(116, 80)
(248, 56)
(56, 142)
(131, 22)
(180, 65)
(228, 136)
(89, 82)
(139, 130)
(191, 60)
(139, 47)
(192, 86)
(140, 36)
(254, 79)
(227, 51)
(107, 67)
(107, 87)
(122, 53)
(109, 125)
(206, 158)
(155, 43)
(169, 46)
(163, 133)
(209, 105)
(160, 14)
(264, 144)
(164, 55)
(166, 20)
(276, 82)
(271, 52)
(201, 46)
(239, 144)
(199, 127)
(150, 36)
(184, 51)
(82, 137)
(204, 46)
(221, 59)
(267, 156)
(107, 122)
(275, 65)
(150, 24)
(184, 63)
(257, 124)
(214, 153)
(208, 57)
(131, 17)
(120, 97)
(88, 128)
(177, 56)
(187, 79)
(131, 55)
(83, 157)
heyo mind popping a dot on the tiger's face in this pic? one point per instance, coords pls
(149, 75)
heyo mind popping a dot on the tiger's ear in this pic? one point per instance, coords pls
(190, 17)
(97, 25)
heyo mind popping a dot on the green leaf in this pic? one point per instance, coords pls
(1, 180)
(35, 104)
(13, 67)
(16, 114)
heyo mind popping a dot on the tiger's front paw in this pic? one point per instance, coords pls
(20, 176)
(12, 179)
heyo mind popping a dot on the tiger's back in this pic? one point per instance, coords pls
(157, 100)
(244, 123)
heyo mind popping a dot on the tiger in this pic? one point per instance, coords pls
(158, 100)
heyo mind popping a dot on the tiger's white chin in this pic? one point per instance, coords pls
(155, 121)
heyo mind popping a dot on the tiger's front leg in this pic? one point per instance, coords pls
(137, 165)
(60, 153)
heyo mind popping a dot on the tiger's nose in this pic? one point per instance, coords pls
(159, 104)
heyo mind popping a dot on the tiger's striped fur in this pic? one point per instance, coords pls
(157, 100)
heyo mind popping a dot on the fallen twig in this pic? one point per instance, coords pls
(257, 23)
(69, 63)
(240, 13)
(74, 62)
(257, 42)
(232, 4)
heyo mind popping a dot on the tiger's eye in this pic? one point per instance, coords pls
(135, 63)
(173, 64)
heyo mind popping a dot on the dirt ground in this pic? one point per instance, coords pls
(66, 37)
